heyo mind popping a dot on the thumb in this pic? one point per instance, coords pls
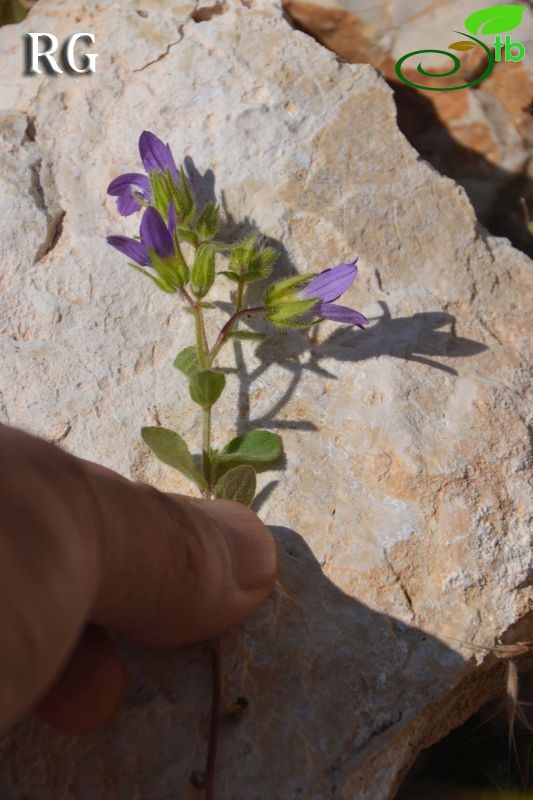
(79, 544)
(175, 570)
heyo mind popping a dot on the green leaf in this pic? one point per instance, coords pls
(186, 192)
(233, 276)
(160, 191)
(462, 45)
(285, 288)
(248, 335)
(242, 253)
(203, 271)
(237, 484)
(299, 326)
(207, 222)
(171, 449)
(280, 314)
(497, 19)
(160, 284)
(188, 236)
(530, 227)
(256, 448)
(263, 261)
(206, 386)
(187, 361)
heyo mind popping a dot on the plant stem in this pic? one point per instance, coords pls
(223, 336)
(206, 448)
(214, 724)
(240, 293)
(203, 357)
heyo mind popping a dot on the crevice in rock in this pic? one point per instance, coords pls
(53, 234)
(36, 187)
(30, 132)
(206, 13)
(496, 194)
(161, 56)
(54, 217)
(483, 752)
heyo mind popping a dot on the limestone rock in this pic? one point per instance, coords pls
(480, 137)
(402, 509)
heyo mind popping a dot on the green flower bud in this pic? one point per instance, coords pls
(203, 271)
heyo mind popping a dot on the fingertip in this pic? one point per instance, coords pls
(251, 545)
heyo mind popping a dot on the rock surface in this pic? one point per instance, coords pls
(480, 137)
(402, 509)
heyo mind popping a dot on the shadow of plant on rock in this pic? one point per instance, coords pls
(421, 338)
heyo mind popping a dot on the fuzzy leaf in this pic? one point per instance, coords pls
(171, 449)
(284, 288)
(288, 310)
(238, 484)
(207, 222)
(462, 45)
(187, 236)
(206, 386)
(256, 448)
(203, 271)
(187, 361)
(158, 283)
(497, 19)
(233, 276)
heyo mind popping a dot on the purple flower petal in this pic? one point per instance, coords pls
(123, 183)
(329, 284)
(125, 187)
(155, 234)
(127, 204)
(339, 314)
(132, 248)
(156, 155)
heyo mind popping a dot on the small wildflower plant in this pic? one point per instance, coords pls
(169, 220)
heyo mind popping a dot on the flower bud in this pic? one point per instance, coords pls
(203, 271)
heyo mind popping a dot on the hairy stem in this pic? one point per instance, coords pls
(206, 448)
(203, 357)
(224, 334)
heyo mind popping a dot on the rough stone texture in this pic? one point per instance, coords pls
(480, 137)
(401, 511)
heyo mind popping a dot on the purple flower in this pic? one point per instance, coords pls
(328, 286)
(154, 236)
(125, 187)
(131, 186)
(156, 155)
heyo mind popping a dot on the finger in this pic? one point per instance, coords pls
(90, 688)
(78, 542)
(176, 570)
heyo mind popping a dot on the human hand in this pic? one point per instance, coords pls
(80, 544)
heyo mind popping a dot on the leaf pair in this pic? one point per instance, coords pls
(235, 464)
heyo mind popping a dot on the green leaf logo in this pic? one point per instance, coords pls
(462, 45)
(497, 19)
